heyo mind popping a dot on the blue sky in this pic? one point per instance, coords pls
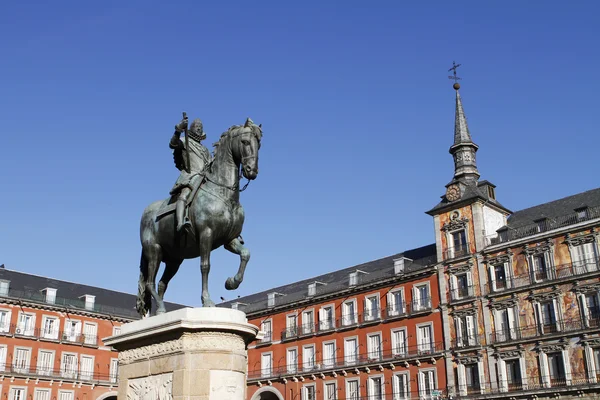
(356, 107)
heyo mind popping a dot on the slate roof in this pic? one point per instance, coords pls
(28, 287)
(336, 281)
(471, 193)
(555, 209)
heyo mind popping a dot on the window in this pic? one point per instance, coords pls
(491, 192)
(50, 327)
(266, 363)
(308, 358)
(427, 383)
(312, 289)
(513, 374)
(395, 304)
(114, 370)
(547, 317)
(26, 324)
(330, 391)
(266, 329)
(505, 324)
(556, 369)
(350, 351)
(3, 352)
(375, 388)
(65, 395)
(5, 321)
(400, 386)
(328, 354)
(349, 313)
(72, 331)
(90, 333)
(421, 300)
(4, 286)
(353, 279)
(41, 394)
(291, 325)
(585, 258)
(539, 268)
(116, 330)
(326, 318)
(399, 343)
(271, 300)
(499, 277)
(465, 331)
(309, 392)
(590, 309)
(472, 378)
(308, 321)
(424, 339)
(582, 213)
(45, 362)
(68, 366)
(371, 308)
(50, 295)
(89, 301)
(18, 393)
(374, 346)
(461, 286)
(87, 368)
(459, 244)
(292, 360)
(21, 359)
(352, 389)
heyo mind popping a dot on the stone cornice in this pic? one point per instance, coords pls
(459, 268)
(519, 352)
(498, 259)
(504, 303)
(539, 249)
(464, 312)
(583, 289)
(455, 224)
(576, 240)
(548, 348)
(543, 296)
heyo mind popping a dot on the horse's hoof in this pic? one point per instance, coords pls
(231, 284)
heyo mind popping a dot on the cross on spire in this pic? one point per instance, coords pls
(454, 67)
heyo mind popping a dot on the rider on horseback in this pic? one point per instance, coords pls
(191, 158)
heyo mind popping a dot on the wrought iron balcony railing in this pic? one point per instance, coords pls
(534, 331)
(68, 374)
(466, 341)
(54, 335)
(463, 293)
(457, 251)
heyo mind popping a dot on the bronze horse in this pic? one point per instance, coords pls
(217, 218)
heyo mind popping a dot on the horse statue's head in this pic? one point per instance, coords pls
(244, 147)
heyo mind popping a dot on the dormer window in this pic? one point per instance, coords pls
(237, 305)
(491, 192)
(399, 264)
(582, 213)
(50, 294)
(312, 289)
(4, 286)
(353, 278)
(89, 301)
(541, 224)
(271, 300)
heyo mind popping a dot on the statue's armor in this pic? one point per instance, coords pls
(199, 157)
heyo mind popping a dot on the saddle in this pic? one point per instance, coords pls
(168, 206)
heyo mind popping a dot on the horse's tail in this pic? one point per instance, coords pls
(144, 300)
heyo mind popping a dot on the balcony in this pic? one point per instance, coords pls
(460, 294)
(543, 226)
(421, 305)
(31, 371)
(54, 336)
(559, 328)
(396, 311)
(457, 251)
(359, 360)
(466, 341)
(562, 272)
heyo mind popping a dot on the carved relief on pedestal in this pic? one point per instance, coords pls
(157, 387)
(226, 385)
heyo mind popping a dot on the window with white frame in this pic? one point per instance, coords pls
(459, 244)
(425, 339)
(18, 393)
(400, 386)
(271, 300)
(540, 263)
(45, 362)
(116, 330)
(291, 325)
(266, 364)
(26, 325)
(505, 324)
(72, 330)
(3, 353)
(4, 287)
(353, 280)
(585, 257)
(421, 299)
(41, 394)
(308, 321)
(267, 331)
(349, 313)
(89, 301)
(330, 391)
(466, 334)
(371, 308)
(50, 295)
(352, 389)
(499, 276)
(86, 369)
(5, 321)
(374, 346)
(50, 327)
(547, 315)
(90, 333)
(312, 289)
(472, 378)
(114, 370)
(326, 318)
(68, 365)
(589, 304)
(514, 374)
(461, 286)
(308, 357)
(21, 359)
(555, 368)
(350, 351)
(309, 392)
(427, 383)
(395, 303)
(328, 354)
(66, 395)
(399, 342)
(292, 360)
(375, 388)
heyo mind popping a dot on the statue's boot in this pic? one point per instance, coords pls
(183, 222)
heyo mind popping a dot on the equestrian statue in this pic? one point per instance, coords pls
(203, 212)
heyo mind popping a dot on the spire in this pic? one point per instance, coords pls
(463, 150)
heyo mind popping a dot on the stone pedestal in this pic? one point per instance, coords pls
(191, 354)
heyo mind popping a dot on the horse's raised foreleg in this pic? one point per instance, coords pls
(205, 245)
(171, 268)
(154, 255)
(236, 247)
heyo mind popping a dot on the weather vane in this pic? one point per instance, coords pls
(454, 77)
